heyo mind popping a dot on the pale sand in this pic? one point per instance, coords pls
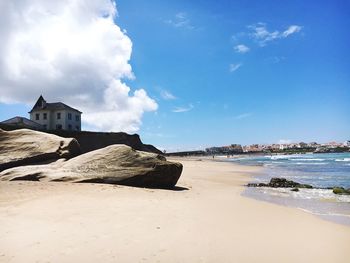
(210, 222)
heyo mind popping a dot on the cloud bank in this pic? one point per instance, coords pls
(70, 51)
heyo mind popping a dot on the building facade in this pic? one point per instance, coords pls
(55, 116)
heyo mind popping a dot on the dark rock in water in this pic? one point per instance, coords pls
(280, 183)
(256, 185)
(341, 191)
(115, 164)
(284, 183)
(24, 147)
(305, 186)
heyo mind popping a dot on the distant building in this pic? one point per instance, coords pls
(55, 116)
(22, 122)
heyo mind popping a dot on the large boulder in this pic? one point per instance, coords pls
(23, 147)
(115, 164)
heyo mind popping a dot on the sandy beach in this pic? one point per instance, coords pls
(205, 220)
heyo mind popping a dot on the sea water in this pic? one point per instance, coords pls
(319, 170)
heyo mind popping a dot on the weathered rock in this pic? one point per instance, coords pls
(295, 189)
(115, 164)
(280, 183)
(90, 141)
(23, 147)
(341, 191)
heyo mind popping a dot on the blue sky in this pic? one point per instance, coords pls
(244, 72)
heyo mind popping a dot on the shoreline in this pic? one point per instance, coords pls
(205, 220)
(308, 206)
(255, 193)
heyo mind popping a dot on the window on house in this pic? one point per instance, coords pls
(45, 116)
(58, 115)
(77, 128)
(45, 127)
(69, 127)
(37, 116)
(77, 117)
(58, 127)
(69, 116)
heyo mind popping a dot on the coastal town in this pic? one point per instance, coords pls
(287, 148)
(299, 147)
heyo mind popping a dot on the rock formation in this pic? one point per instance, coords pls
(280, 182)
(115, 164)
(284, 183)
(90, 141)
(23, 147)
(341, 191)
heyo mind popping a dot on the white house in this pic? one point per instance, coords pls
(55, 116)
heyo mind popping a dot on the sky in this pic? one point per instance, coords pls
(183, 74)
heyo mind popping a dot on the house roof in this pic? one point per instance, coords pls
(22, 121)
(41, 104)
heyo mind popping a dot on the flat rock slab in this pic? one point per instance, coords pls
(23, 147)
(115, 164)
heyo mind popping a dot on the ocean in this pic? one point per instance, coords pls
(318, 170)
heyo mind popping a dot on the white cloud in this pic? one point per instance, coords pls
(180, 20)
(243, 115)
(241, 48)
(70, 51)
(183, 109)
(234, 67)
(263, 36)
(167, 95)
(291, 30)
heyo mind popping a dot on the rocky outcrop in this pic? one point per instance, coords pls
(115, 164)
(280, 183)
(90, 141)
(341, 191)
(24, 147)
(284, 183)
